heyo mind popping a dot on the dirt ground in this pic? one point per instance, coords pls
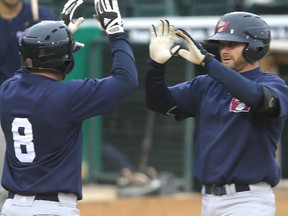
(282, 202)
(108, 204)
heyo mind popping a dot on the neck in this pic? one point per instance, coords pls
(10, 11)
(55, 76)
(250, 66)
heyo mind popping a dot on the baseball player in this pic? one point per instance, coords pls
(42, 117)
(14, 16)
(239, 110)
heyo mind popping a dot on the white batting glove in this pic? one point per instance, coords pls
(67, 15)
(196, 54)
(161, 46)
(109, 16)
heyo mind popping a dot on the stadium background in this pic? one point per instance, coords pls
(171, 142)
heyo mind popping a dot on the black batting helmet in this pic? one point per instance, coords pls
(246, 28)
(50, 46)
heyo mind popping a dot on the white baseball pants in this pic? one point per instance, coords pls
(258, 201)
(28, 206)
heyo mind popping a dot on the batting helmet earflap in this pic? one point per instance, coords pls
(50, 46)
(247, 28)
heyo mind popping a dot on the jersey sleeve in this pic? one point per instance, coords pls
(240, 87)
(91, 97)
(248, 91)
(158, 96)
(178, 101)
(280, 88)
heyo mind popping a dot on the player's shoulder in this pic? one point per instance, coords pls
(270, 76)
(80, 83)
(204, 78)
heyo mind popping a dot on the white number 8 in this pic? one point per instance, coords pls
(23, 140)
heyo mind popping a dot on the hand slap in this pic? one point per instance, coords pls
(109, 16)
(196, 54)
(161, 46)
(67, 15)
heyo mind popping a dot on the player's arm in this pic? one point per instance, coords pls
(101, 96)
(259, 97)
(270, 102)
(158, 96)
(67, 15)
(123, 66)
(161, 50)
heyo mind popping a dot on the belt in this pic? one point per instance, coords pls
(48, 197)
(220, 190)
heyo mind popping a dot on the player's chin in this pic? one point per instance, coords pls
(228, 63)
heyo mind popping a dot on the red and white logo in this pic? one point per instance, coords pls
(221, 26)
(237, 106)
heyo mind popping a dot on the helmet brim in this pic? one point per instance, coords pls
(225, 37)
(77, 46)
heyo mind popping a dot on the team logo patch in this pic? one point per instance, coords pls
(221, 26)
(237, 106)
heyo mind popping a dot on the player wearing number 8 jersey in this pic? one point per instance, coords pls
(42, 117)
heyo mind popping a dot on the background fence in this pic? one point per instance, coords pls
(132, 126)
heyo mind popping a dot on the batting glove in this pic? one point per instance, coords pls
(196, 54)
(109, 16)
(67, 15)
(161, 46)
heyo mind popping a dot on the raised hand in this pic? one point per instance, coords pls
(109, 16)
(67, 15)
(161, 46)
(196, 53)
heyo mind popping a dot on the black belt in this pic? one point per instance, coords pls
(219, 190)
(48, 197)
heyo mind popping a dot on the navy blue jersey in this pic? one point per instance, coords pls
(42, 118)
(10, 35)
(234, 143)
